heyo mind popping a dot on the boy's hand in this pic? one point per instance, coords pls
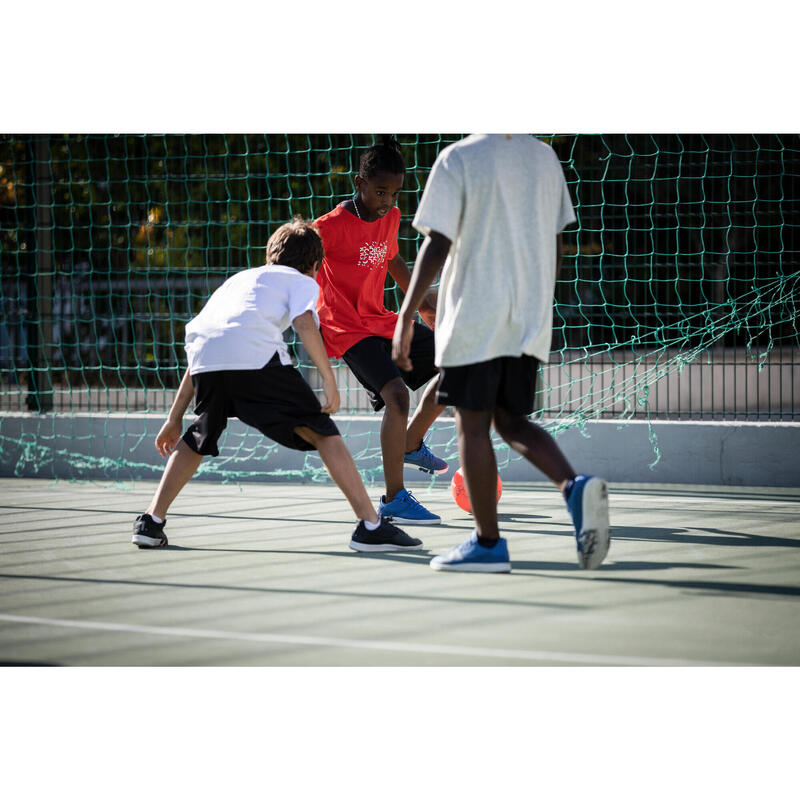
(332, 400)
(427, 311)
(401, 342)
(168, 437)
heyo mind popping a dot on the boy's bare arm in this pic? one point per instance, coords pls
(399, 270)
(430, 260)
(312, 340)
(168, 437)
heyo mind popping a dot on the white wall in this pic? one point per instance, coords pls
(715, 453)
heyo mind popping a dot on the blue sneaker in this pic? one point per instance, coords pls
(426, 461)
(470, 556)
(406, 510)
(587, 503)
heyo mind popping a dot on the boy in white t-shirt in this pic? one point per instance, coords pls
(239, 366)
(492, 213)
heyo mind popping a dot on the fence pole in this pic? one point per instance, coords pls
(40, 285)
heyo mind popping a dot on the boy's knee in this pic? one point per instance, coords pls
(507, 424)
(473, 423)
(395, 395)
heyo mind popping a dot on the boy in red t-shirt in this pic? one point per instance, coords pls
(360, 241)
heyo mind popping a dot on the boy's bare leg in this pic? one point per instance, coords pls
(424, 416)
(342, 469)
(535, 444)
(393, 435)
(182, 464)
(479, 468)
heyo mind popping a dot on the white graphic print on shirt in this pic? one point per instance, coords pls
(372, 255)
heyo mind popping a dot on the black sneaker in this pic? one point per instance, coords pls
(386, 538)
(148, 533)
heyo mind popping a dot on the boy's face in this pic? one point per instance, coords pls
(378, 195)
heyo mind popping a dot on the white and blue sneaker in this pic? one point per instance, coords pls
(426, 461)
(405, 509)
(470, 556)
(587, 503)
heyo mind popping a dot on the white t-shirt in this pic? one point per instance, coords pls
(242, 324)
(501, 200)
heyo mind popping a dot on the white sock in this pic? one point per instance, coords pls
(371, 526)
(156, 519)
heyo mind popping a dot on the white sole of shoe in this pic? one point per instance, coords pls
(401, 521)
(427, 471)
(501, 566)
(383, 548)
(145, 541)
(595, 533)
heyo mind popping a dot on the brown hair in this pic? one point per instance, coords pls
(296, 244)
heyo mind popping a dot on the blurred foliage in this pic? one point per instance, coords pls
(143, 227)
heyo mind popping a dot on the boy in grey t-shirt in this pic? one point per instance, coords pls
(492, 213)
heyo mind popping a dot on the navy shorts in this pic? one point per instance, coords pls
(507, 382)
(274, 399)
(370, 360)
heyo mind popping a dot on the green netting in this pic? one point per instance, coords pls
(678, 296)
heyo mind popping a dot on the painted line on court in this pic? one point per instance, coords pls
(359, 644)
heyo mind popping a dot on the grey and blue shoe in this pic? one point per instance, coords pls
(587, 503)
(405, 509)
(423, 459)
(471, 556)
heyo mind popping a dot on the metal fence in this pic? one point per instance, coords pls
(116, 344)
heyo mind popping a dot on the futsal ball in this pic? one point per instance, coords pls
(459, 491)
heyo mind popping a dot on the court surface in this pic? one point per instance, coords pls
(260, 574)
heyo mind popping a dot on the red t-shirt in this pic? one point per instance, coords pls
(353, 276)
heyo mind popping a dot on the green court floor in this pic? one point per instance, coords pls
(260, 574)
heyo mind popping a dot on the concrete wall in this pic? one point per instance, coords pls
(716, 453)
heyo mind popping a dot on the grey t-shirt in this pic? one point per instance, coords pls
(501, 200)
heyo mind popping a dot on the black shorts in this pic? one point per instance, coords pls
(371, 362)
(275, 400)
(507, 382)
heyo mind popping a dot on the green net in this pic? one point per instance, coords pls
(677, 298)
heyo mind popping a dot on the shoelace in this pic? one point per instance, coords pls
(413, 499)
(428, 457)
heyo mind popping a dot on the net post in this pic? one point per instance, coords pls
(40, 285)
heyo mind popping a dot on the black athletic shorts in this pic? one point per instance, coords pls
(274, 399)
(507, 382)
(371, 362)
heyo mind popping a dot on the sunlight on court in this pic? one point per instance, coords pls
(261, 574)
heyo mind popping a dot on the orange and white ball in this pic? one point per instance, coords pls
(459, 491)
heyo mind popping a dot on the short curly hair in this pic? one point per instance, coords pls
(386, 156)
(296, 244)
